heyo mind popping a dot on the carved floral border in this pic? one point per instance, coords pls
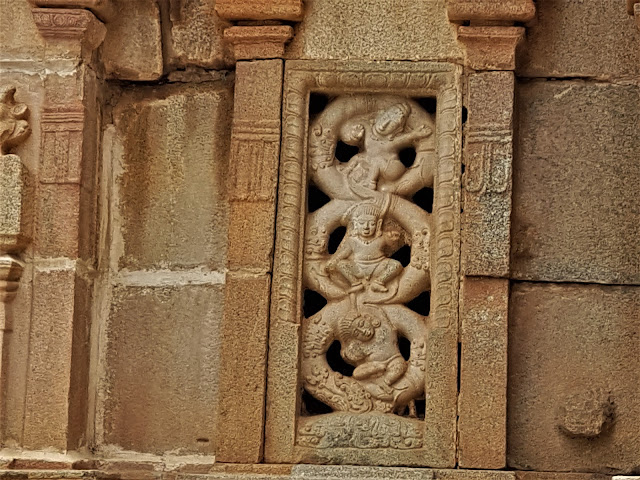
(419, 79)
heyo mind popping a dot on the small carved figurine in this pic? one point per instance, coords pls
(382, 139)
(361, 258)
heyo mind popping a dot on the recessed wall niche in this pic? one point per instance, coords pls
(363, 334)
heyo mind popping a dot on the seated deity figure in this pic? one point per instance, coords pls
(381, 139)
(360, 257)
(367, 344)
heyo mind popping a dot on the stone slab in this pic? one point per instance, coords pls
(243, 368)
(561, 476)
(576, 171)
(15, 204)
(161, 387)
(482, 403)
(172, 189)
(574, 368)
(46, 410)
(291, 10)
(375, 30)
(132, 48)
(573, 38)
(487, 157)
(193, 33)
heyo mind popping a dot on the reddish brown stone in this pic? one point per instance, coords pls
(258, 42)
(573, 348)
(260, 10)
(490, 48)
(483, 373)
(491, 10)
(243, 368)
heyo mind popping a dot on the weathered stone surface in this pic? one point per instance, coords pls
(194, 35)
(568, 345)
(253, 168)
(132, 48)
(482, 403)
(243, 368)
(573, 38)
(576, 171)
(259, 41)
(490, 48)
(491, 10)
(561, 476)
(57, 214)
(162, 363)
(24, 42)
(343, 29)
(71, 34)
(175, 144)
(46, 410)
(15, 204)
(263, 10)
(487, 156)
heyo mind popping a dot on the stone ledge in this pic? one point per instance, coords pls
(144, 470)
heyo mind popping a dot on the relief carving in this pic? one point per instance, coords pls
(368, 234)
(14, 129)
(365, 288)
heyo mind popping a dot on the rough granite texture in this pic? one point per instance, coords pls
(575, 38)
(576, 215)
(376, 29)
(573, 349)
(175, 144)
(162, 368)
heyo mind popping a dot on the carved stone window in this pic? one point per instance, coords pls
(363, 335)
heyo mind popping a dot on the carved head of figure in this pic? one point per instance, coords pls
(13, 124)
(357, 326)
(391, 121)
(366, 221)
(353, 133)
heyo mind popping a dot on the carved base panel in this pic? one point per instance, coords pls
(363, 336)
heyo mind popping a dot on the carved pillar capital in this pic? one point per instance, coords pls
(259, 37)
(70, 24)
(258, 42)
(105, 10)
(490, 38)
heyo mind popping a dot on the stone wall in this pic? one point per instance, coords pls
(135, 338)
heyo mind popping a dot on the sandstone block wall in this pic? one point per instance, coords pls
(112, 345)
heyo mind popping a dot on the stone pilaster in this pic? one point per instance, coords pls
(255, 150)
(490, 42)
(253, 174)
(55, 396)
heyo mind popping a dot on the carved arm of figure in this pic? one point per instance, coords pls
(406, 139)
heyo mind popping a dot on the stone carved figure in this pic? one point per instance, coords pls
(14, 128)
(366, 290)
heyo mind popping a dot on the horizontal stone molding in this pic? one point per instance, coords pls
(260, 10)
(491, 10)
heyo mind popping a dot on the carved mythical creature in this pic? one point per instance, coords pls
(13, 120)
(366, 289)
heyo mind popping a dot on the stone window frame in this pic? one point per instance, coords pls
(411, 79)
